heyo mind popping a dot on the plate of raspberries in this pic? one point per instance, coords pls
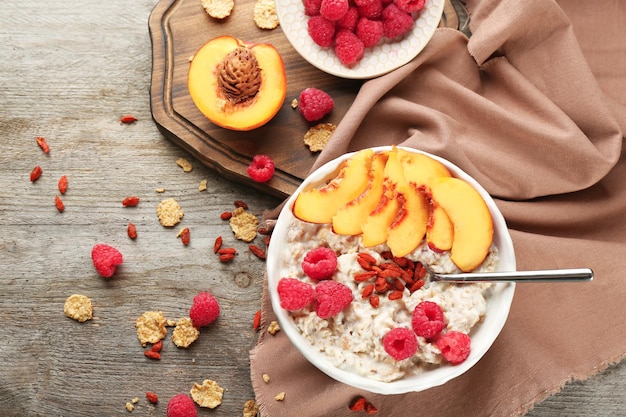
(359, 39)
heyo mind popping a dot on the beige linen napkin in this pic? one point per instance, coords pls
(533, 107)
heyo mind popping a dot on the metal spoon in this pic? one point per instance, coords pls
(550, 275)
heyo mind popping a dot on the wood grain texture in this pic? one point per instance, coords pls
(68, 72)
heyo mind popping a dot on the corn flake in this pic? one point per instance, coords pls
(202, 185)
(169, 212)
(150, 327)
(244, 224)
(318, 136)
(78, 307)
(184, 164)
(209, 394)
(265, 15)
(218, 9)
(250, 408)
(184, 333)
(273, 328)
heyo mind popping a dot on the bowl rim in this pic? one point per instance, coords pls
(402, 49)
(498, 306)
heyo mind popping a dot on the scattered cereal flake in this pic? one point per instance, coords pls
(169, 212)
(170, 323)
(190, 58)
(129, 407)
(135, 400)
(294, 103)
(184, 164)
(265, 15)
(318, 136)
(250, 409)
(159, 190)
(202, 186)
(244, 224)
(184, 333)
(218, 9)
(209, 394)
(266, 378)
(150, 327)
(280, 396)
(273, 328)
(78, 307)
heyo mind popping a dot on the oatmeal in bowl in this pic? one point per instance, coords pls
(348, 270)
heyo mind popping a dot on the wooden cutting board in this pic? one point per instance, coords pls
(178, 28)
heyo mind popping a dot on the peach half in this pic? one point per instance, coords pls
(236, 85)
(468, 212)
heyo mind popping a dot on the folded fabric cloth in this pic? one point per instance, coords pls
(533, 106)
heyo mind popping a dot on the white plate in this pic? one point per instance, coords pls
(483, 335)
(378, 60)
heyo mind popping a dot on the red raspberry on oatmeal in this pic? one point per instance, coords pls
(400, 343)
(332, 298)
(295, 294)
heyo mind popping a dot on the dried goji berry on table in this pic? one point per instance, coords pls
(257, 320)
(152, 397)
(130, 201)
(218, 244)
(43, 144)
(132, 231)
(257, 251)
(35, 173)
(152, 354)
(358, 404)
(185, 236)
(226, 215)
(227, 251)
(128, 119)
(157, 346)
(59, 204)
(227, 257)
(240, 203)
(370, 409)
(63, 184)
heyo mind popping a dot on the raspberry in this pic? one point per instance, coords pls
(314, 103)
(371, 10)
(334, 9)
(295, 294)
(369, 31)
(348, 48)
(321, 30)
(105, 258)
(427, 319)
(396, 23)
(320, 263)
(332, 298)
(204, 309)
(261, 169)
(348, 21)
(312, 7)
(410, 6)
(454, 346)
(181, 405)
(400, 343)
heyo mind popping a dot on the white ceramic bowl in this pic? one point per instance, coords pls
(483, 335)
(378, 60)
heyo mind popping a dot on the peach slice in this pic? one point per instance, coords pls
(319, 205)
(376, 227)
(439, 230)
(350, 218)
(236, 85)
(468, 212)
(408, 228)
(419, 168)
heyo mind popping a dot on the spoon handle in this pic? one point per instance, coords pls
(551, 275)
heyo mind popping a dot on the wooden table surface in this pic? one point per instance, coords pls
(68, 71)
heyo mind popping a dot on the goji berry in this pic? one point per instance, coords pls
(218, 244)
(152, 354)
(365, 260)
(358, 404)
(152, 397)
(263, 231)
(395, 295)
(63, 184)
(227, 257)
(364, 276)
(416, 285)
(35, 173)
(257, 251)
(130, 201)
(157, 346)
(256, 323)
(185, 236)
(370, 409)
(227, 251)
(367, 291)
(128, 119)
(59, 204)
(266, 240)
(242, 204)
(374, 300)
(43, 144)
(132, 231)
(226, 215)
